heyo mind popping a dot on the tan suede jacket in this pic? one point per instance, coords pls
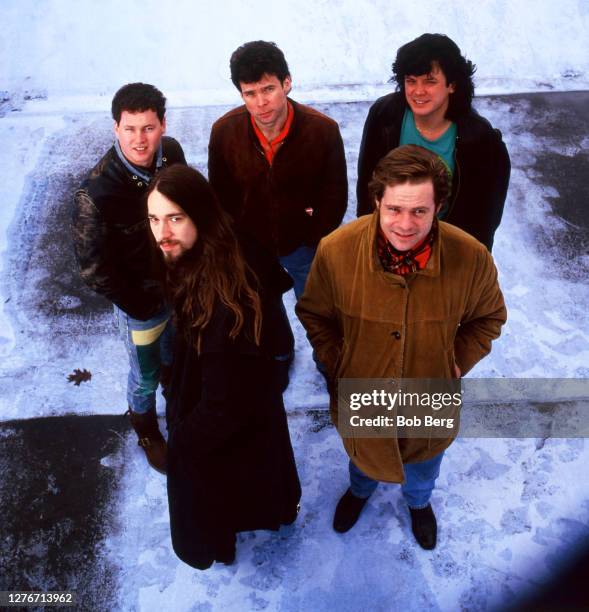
(367, 323)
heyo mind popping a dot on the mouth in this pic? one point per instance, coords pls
(265, 115)
(404, 236)
(140, 149)
(168, 245)
(419, 102)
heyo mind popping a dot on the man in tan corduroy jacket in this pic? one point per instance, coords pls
(398, 294)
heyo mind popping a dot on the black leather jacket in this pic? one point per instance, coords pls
(481, 174)
(112, 236)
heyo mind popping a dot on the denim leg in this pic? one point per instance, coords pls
(420, 480)
(297, 264)
(360, 484)
(167, 343)
(142, 341)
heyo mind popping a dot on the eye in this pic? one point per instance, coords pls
(153, 220)
(176, 219)
(149, 128)
(419, 212)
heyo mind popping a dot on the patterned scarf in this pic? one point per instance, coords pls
(404, 262)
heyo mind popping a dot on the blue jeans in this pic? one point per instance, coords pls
(149, 344)
(297, 264)
(420, 480)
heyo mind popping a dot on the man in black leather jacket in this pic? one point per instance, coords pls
(112, 246)
(433, 108)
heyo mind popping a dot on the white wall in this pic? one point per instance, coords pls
(69, 47)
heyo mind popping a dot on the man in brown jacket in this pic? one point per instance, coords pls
(398, 294)
(277, 166)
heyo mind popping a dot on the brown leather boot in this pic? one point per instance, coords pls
(150, 438)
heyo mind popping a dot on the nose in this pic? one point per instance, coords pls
(165, 230)
(261, 100)
(405, 222)
(161, 231)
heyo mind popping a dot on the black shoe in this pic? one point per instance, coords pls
(347, 511)
(424, 526)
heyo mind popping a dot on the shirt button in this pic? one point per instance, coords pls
(396, 335)
(134, 177)
(164, 159)
(139, 184)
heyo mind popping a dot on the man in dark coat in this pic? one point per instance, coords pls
(112, 246)
(433, 109)
(231, 466)
(278, 167)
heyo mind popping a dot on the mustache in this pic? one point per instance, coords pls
(167, 242)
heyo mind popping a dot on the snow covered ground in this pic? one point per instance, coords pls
(510, 510)
(71, 54)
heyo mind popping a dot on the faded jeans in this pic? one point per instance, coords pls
(420, 480)
(149, 345)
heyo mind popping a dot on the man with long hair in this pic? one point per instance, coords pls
(230, 461)
(397, 294)
(432, 108)
(112, 245)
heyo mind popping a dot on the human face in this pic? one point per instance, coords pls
(266, 101)
(173, 230)
(406, 213)
(140, 135)
(428, 94)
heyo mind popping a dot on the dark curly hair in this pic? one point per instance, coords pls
(410, 164)
(253, 59)
(137, 98)
(418, 56)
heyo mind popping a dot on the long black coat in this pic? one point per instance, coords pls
(481, 174)
(230, 461)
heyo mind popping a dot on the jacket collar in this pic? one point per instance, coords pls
(134, 170)
(291, 131)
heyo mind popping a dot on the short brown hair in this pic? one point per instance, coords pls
(410, 164)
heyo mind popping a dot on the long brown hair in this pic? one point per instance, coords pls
(214, 270)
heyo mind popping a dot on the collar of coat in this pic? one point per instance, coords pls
(432, 268)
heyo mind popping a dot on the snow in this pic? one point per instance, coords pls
(337, 50)
(509, 509)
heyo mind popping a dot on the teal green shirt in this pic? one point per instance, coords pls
(443, 146)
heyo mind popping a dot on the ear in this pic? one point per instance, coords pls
(452, 88)
(287, 85)
(116, 129)
(376, 203)
(164, 125)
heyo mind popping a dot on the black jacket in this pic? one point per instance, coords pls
(481, 174)
(272, 203)
(230, 461)
(112, 236)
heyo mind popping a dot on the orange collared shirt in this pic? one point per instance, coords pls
(270, 147)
